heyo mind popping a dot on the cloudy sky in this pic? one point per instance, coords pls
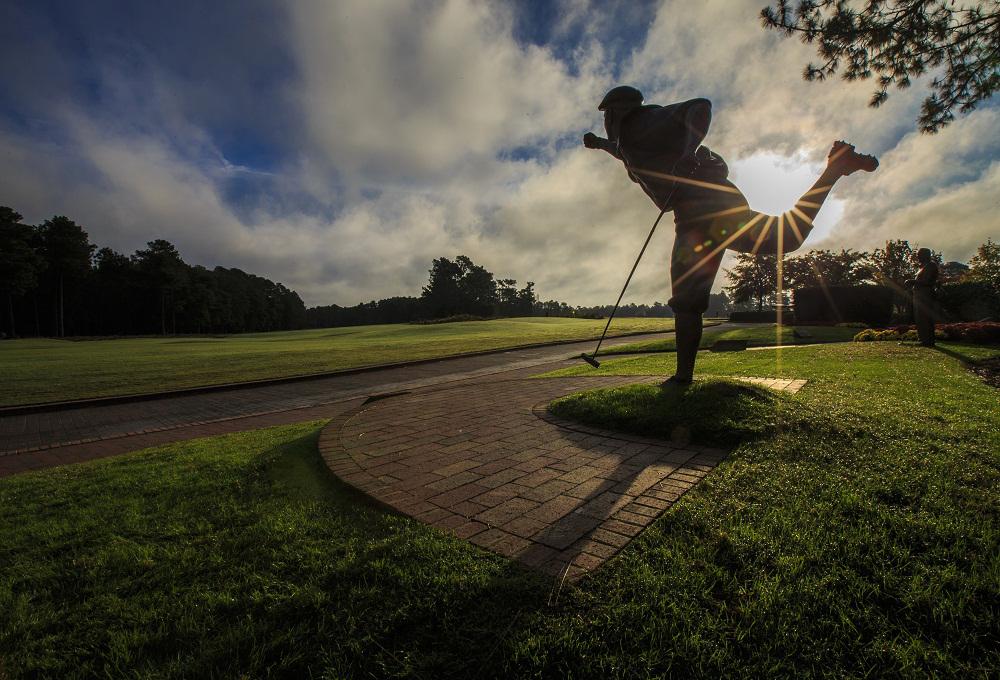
(339, 146)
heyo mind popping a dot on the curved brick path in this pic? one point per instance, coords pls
(488, 463)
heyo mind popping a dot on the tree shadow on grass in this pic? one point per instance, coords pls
(986, 368)
(399, 598)
(964, 358)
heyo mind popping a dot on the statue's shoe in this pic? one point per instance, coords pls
(675, 380)
(846, 160)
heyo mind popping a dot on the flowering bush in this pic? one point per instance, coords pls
(873, 334)
(978, 333)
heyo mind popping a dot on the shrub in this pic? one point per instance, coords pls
(977, 333)
(851, 324)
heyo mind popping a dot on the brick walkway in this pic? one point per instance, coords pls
(488, 463)
(781, 384)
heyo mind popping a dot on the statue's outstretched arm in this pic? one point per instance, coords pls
(592, 141)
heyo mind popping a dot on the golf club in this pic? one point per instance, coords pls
(592, 359)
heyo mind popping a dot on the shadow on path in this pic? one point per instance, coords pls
(490, 466)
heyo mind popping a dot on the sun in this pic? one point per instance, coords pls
(773, 183)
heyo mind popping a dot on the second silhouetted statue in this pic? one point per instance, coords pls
(924, 299)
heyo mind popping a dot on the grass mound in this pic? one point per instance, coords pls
(717, 412)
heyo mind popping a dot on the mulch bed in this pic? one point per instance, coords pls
(988, 370)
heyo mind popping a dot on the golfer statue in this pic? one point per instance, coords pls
(924, 300)
(662, 152)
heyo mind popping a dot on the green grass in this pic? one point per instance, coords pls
(716, 412)
(56, 370)
(755, 336)
(853, 534)
(237, 556)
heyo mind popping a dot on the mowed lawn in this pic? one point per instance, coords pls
(57, 370)
(853, 534)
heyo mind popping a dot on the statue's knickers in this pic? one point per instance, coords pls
(924, 311)
(703, 237)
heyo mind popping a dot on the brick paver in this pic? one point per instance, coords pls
(488, 463)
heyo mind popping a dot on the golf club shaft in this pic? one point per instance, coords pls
(625, 287)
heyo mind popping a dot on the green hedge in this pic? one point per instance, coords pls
(871, 305)
(764, 316)
(969, 301)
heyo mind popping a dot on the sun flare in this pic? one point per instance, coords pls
(773, 183)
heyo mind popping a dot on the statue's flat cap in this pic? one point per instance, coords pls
(622, 96)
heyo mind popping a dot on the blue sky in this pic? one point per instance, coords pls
(338, 147)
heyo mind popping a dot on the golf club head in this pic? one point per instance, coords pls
(591, 360)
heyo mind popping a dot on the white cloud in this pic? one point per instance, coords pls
(575, 228)
(940, 191)
(407, 92)
(144, 190)
(955, 220)
(717, 49)
(422, 102)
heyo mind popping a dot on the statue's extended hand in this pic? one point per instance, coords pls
(590, 140)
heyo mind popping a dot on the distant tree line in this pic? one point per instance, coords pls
(461, 289)
(55, 282)
(719, 305)
(965, 289)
